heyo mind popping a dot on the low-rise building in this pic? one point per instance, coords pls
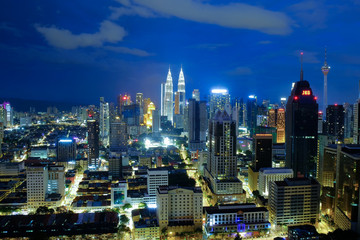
(234, 218)
(145, 224)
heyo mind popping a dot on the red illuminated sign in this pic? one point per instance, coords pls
(306, 92)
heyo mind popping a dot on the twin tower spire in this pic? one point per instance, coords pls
(167, 99)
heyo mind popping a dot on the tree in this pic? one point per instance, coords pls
(142, 205)
(124, 219)
(164, 232)
(126, 206)
(44, 210)
(238, 237)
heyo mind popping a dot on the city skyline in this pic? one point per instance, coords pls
(130, 45)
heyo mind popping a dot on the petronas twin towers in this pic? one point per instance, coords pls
(167, 96)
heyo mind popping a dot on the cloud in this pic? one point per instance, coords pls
(109, 32)
(132, 51)
(233, 15)
(264, 42)
(241, 71)
(129, 11)
(211, 46)
(312, 14)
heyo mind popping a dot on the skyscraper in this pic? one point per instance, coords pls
(118, 136)
(301, 129)
(251, 113)
(335, 121)
(181, 90)
(263, 151)
(66, 150)
(104, 121)
(218, 99)
(162, 96)
(93, 142)
(348, 121)
(197, 125)
(325, 70)
(196, 94)
(139, 99)
(222, 163)
(169, 97)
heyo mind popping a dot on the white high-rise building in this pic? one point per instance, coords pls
(104, 121)
(42, 183)
(169, 97)
(181, 90)
(267, 175)
(156, 177)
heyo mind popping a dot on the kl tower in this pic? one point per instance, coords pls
(325, 70)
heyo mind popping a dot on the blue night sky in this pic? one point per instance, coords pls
(80, 50)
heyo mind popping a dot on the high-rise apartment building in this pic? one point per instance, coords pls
(177, 206)
(301, 129)
(104, 120)
(197, 124)
(66, 150)
(294, 201)
(93, 143)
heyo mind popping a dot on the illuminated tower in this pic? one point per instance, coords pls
(301, 126)
(169, 97)
(181, 90)
(325, 69)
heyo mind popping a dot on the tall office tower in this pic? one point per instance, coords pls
(156, 121)
(294, 201)
(272, 118)
(169, 98)
(115, 167)
(178, 207)
(239, 105)
(222, 168)
(181, 90)
(118, 136)
(3, 115)
(177, 103)
(283, 103)
(301, 129)
(263, 151)
(348, 121)
(335, 121)
(43, 180)
(218, 99)
(104, 121)
(320, 122)
(148, 116)
(123, 100)
(267, 175)
(346, 188)
(156, 177)
(139, 99)
(66, 150)
(197, 125)
(162, 96)
(131, 114)
(93, 142)
(1, 136)
(251, 113)
(196, 94)
(325, 70)
(9, 114)
(280, 126)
